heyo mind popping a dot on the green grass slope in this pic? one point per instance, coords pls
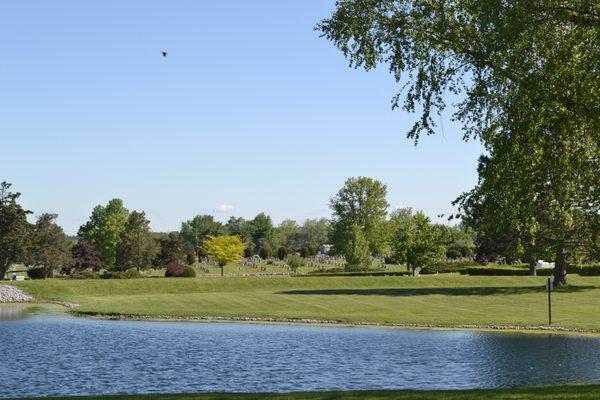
(446, 300)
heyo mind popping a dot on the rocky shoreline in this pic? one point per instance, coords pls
(11, 294)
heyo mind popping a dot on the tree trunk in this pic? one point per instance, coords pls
(560, 268)
(6, 265)
(222, 267)
(532, 269)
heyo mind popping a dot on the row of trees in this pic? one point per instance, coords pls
(118, 239)
(363, 228)
(259, 235)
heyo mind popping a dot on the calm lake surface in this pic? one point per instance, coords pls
(45, 355)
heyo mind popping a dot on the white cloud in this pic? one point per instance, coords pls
(224, 208)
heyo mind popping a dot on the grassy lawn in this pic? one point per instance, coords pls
(446, 300)
(543, 393)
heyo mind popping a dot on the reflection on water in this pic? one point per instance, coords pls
(60, 356)
(10, 313)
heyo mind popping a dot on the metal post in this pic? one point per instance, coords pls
(549, 288)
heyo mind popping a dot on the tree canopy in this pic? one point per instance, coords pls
(50, 248)
(223, 249)
(196, 230)
(104, 228)
(15, 231)
(361, 202)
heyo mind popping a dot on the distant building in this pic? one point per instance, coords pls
(325, 248)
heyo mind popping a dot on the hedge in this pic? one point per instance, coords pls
(128, 274)
(358, 273)
(583, 270)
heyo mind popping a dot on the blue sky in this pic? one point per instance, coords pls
(251, 109)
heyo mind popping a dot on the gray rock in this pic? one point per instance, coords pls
(11, 294)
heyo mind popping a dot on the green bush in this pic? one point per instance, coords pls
(264, 252)
(188, 272)
(295, 262)
(304, 252)
(190, 258)
(446, 267)
(341, 272)
(85, 275)
(39, 273)
(131, 273)
(453, 254)
(248, 252)
(282, 253)
(176, 270)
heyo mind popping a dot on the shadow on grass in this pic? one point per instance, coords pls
(463, 291)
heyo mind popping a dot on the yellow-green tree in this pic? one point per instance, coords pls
(224, 249)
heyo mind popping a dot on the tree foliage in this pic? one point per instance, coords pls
(356, 248)
(15, 231)
(417, 242)
(170, 249)
(104, 229)
(545, 51)
(195, 231)
(224, 249)
(295, 262)
(50, 248)
(137, 248)
(85, 258)
(361, 202)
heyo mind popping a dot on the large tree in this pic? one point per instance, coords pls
(486, 50)
(195, 231)
(15, 231)
(104, 228)
(526, 76)
(314, 232)
(238, 226)
(137, 248)
(416, 241)
(50, 247)
(361, 202)
(286, 235)
(536, 205)
(170, 249)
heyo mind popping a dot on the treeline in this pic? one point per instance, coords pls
(117, 239)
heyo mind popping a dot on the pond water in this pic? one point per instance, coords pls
(58, 355)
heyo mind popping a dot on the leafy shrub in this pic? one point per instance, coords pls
(176, 270)
(248, 252)
(453, 254)
(85, 275)
(282, 253)
(85, 257)
(584, 269)
(304, 252)
(264, 252)
(190, 258)
(312, 251)
(342, 272)
(131, 273)
(39, 273)
(446, 267)
(495, 272)
(295, 262)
